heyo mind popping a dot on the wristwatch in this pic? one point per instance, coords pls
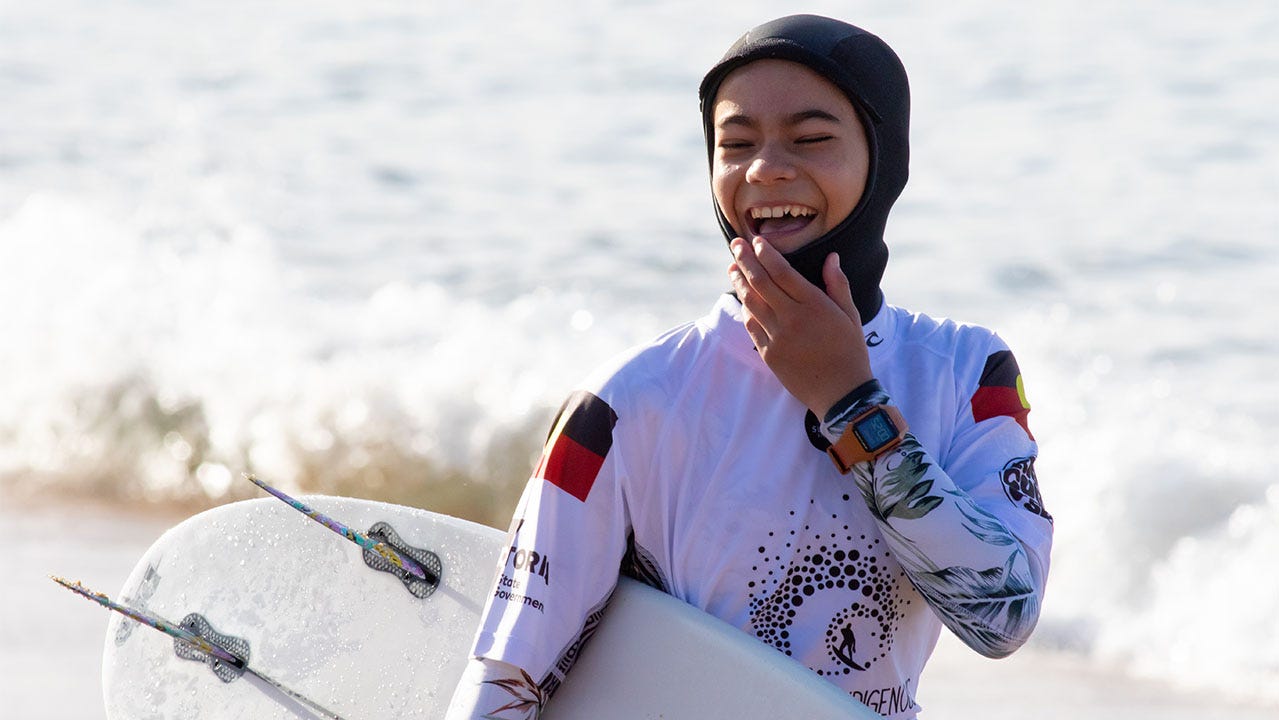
(871, 434)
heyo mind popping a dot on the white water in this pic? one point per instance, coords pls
(366, 249)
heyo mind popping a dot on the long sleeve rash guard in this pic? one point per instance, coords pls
(686, 464)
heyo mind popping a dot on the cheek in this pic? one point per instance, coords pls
(722, 186)
(856, 186)
(844, 185)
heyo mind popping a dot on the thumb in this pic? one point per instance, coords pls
(837, 287)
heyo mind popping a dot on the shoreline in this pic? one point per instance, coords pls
(51, 641)
(1047, 684)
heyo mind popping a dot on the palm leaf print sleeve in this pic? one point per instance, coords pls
(963, 559)
(494, 690)
(973, 542)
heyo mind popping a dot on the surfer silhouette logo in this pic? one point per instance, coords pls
(847, 646)
(866, 620)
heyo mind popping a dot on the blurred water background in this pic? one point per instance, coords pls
(366, 248)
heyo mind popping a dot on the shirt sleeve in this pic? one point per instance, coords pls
(567, 540)
(973, 537)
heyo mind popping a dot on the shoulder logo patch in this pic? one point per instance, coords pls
(580, 439)
(1000, 391)
(1022, 487)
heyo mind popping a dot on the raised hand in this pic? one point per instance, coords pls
(811, 340)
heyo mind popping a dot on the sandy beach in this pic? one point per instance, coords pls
(51, 641)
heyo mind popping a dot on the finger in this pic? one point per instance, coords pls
(838, 289)
(754, 304)
(754, 328)
(785, 277)
(756, 275)
(759, 336)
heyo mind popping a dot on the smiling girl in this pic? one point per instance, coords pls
(834, 475)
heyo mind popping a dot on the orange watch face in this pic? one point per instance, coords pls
(875, 431)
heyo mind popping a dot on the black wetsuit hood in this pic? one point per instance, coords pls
(872, 76)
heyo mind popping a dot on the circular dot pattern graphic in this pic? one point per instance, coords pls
(844, 576)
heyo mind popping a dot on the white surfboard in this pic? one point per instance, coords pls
(311, 614)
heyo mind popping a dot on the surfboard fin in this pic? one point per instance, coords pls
(429, 561)
(201, 646)
(197, 625)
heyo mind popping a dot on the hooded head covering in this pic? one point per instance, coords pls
(872, 76)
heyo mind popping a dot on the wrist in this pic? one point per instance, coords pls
(872, 431)
(837, 418)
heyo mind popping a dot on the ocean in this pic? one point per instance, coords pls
(367, 249)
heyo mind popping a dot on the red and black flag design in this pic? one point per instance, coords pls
(579, 441)
(1000, 391)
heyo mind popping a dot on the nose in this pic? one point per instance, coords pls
(770, 165)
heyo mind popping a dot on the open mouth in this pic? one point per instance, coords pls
(779, 219)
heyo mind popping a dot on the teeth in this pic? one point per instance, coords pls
(777, 211)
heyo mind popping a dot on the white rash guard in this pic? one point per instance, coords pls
(685, 463)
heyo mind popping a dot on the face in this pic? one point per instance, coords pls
(790, 157)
